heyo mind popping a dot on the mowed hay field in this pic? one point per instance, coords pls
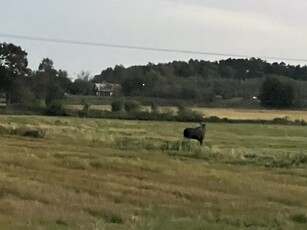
(72, 173)
(254, 114)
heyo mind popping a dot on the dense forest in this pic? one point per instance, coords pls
(198, 81)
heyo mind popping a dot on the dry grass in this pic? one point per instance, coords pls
(254, 114)
(93, 174)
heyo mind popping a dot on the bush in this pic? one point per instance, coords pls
(186, 114)
(55, 108)
(128, 106)
(132, 105)
(117, 105)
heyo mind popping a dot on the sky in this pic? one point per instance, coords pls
(253, 28)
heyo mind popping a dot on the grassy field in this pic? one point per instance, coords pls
(72, 173)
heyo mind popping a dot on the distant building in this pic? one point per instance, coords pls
(106, 89)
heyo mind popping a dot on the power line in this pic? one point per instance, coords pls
(97, 44)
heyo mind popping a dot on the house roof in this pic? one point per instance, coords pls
(105, 86)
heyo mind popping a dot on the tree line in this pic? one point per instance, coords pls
(199, 81)
(35, 88)
(274, 84)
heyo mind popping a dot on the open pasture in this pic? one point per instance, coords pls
(116, 174)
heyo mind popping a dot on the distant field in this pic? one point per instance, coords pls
(253, 114)
(117, 174)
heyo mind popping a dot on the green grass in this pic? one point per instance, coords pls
(117, 174)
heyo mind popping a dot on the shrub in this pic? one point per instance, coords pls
(186, 114)
(132, 105)
(55, 108)
(117, 105)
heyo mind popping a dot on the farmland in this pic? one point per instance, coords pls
(73, 173)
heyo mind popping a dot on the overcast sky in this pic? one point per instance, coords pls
(259, 28)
